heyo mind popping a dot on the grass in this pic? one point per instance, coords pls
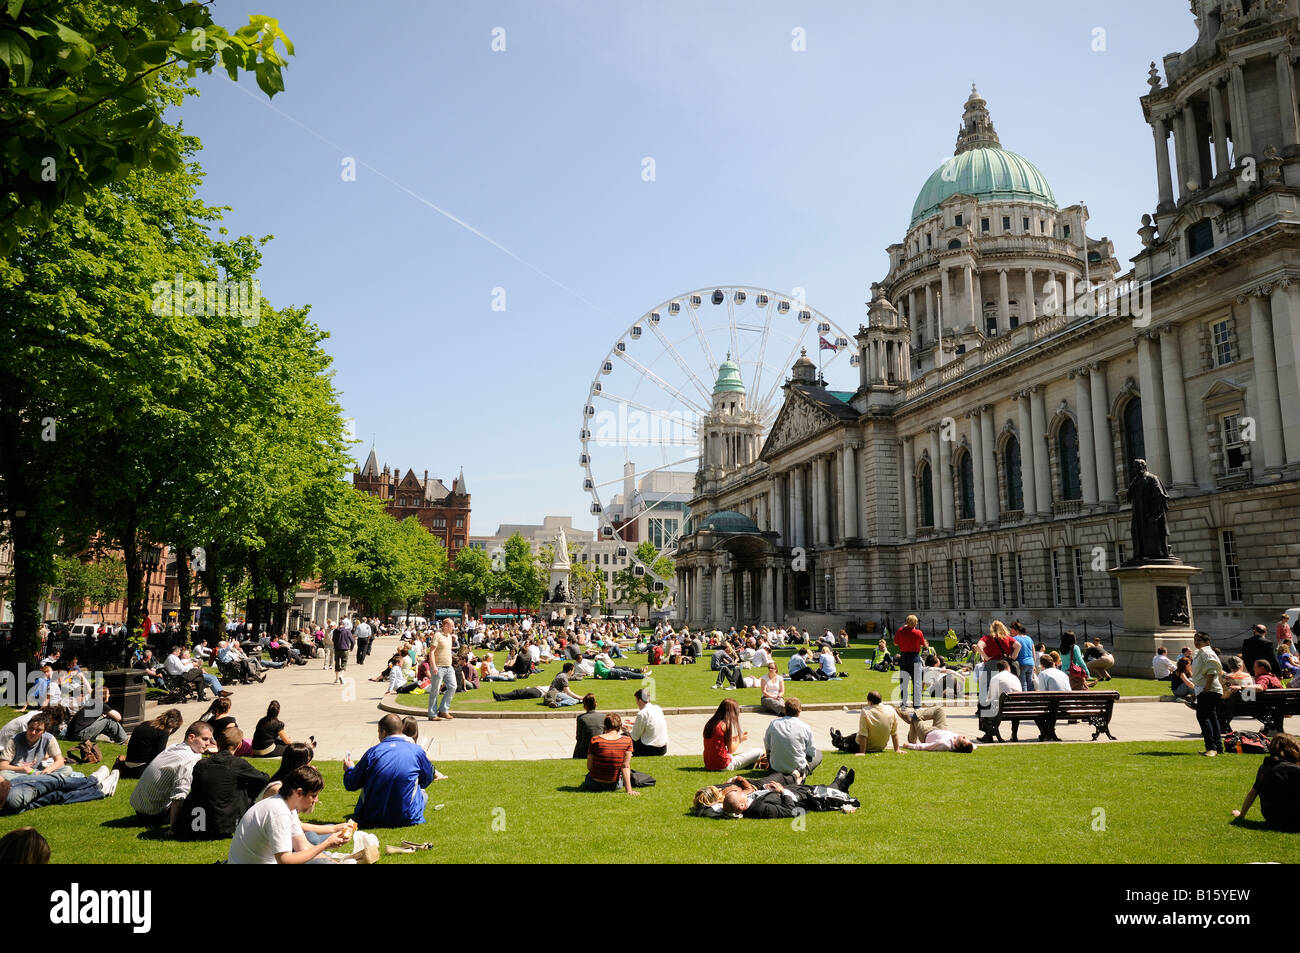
(1075, 803)
(689, 686)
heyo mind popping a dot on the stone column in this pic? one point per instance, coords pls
(797, 507)
(823, 502)
(1180, 444)
(1181, 164)
(1240, 118)
(1042, 473)
(977, 465)
(909, 488)
(944, 476)
(1154, 434)
(778, 510)
(1004, 303)
(936, 480)
(1286, 346)
(769, 596)
(1160, 129)
(945, 300)
(1265, 358)
(778, 595)
(972, 295)
(850, 483)
(931, 327)
(1103, 451)
(717, 596)
(1087, 452)
(1286, 98)
(1219, 129)
(1027, 446)
(989, 464)
(911, 309)
(1030, 308)
(815, 487)
(1192, 147)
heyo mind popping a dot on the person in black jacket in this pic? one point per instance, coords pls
(771, 799)
(222, 789)
(1257, 647)
(147, 742)
(590, 724)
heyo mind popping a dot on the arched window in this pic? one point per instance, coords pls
(1067, 445)
(927, 496)
(1011, 470)
(955, 243)
(966, 487)
(1134, 444)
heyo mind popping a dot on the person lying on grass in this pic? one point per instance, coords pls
(772, 799)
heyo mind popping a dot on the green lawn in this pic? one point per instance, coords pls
(689, 686)
(1076, 803)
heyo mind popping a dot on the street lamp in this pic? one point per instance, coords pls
(829, 606)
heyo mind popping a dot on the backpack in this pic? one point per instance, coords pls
(1245, 742)
(86, 753)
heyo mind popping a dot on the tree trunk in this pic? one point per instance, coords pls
(184, 590)
(214, 581)
(134, 577)
(33, 570)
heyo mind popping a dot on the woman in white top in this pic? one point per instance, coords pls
(772, 688)
(1206, 677)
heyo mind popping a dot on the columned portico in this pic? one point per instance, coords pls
(1087, 459)
(1270, 408)
(1154, 432)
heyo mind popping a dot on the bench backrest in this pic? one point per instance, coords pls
(1061, 702)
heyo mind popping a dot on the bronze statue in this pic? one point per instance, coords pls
(1150, 503)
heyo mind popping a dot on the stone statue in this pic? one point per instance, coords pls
(1150, 502)
(561, 550)
(561, 593)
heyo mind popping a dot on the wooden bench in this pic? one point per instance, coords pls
(1095, 708)
(1270, 707)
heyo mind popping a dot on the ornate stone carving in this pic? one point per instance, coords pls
(798, 420)
(1153, 77)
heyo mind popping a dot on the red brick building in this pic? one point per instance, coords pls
(443, 512)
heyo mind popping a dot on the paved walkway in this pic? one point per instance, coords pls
(344, 719)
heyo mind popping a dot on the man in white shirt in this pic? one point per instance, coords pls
(178, 665)
(166, 781)
(1162, 666)
(1002, 683)
(650, 730)
(1051, 678)
(940, 739)
(270, 832)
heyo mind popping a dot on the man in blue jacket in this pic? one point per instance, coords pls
(392, 777)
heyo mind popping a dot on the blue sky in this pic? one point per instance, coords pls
(773, 168)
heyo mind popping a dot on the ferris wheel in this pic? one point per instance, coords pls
(642, 412)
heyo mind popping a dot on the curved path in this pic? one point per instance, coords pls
(344, 719)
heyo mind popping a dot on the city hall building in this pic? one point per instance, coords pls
(1010, 375)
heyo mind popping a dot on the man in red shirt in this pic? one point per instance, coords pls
(911, 643)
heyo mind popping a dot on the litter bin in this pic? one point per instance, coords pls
(126, 694)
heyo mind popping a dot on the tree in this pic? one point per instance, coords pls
(98, 582)
(521, 583)
(86, 84)
(472, 580)
(639, 588)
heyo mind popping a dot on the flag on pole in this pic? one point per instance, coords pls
(826, 345)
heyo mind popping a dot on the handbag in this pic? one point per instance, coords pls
(1078, 680)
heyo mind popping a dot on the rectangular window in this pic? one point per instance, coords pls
(956, 584)
(970, 584)
(928, 241)
(1042, 227)
(1231, 571)
(1020, 581)
(439, 522)
(1079, 598)
(957, 220)
(1234, 449)
(460, 522)
(1222, 343)
(1006, 223)
(1065, 231)
(984, 225)
(1026, 224)
(999, 582)
(1058, 583)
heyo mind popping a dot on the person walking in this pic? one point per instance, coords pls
(1207, 672)
(343, 643)
(362, 633)
(442, 675)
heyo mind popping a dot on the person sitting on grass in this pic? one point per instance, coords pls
(560, 695)
(92, 721)
(609, 759)
(739, 797)
(723, 737)
(798, 667)
(772, 691)
(789, 745)
(165, 783)
(396, 676)
(222, 787)
(33, 751)
(730, 671)
(269, 737)
(650, 729)
(877, 728)
(55, 718)
(270, 832)
(1277, 786)
(589, 724)
(147, 741)
(827, 670)
(391, 777)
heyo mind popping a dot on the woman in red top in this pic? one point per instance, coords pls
(910, 641)
(722, 738)
(609, 759)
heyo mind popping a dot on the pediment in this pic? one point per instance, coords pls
(798, 420)
(1222, 389)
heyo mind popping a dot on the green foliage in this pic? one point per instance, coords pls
(97, 583)
(472, 580)
(86, 85)
(521, 582)
(390, 563)
(639, 590)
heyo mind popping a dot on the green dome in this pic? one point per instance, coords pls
(729, 378)
(990, 174)
(728, 521)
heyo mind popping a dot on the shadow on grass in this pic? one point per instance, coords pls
(1167, 754)
(131, 820)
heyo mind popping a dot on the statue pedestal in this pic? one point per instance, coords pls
(1157, 602)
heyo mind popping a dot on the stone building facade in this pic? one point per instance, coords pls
(443, 512)
(1009, 377)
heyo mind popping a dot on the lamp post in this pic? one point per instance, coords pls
(827, 599)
